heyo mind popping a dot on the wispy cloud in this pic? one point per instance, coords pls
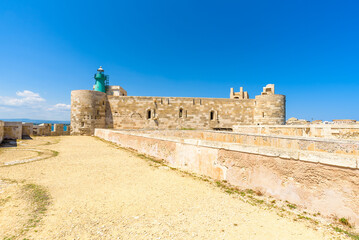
(60, 107)
(28, 104)
(25, 98)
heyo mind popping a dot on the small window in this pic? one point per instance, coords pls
(180, 113)
(262, 114)
(212, 115)
(82, 124)
(103, 103)
(194, 102)
(148, 114)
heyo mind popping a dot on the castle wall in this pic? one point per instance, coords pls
(335, 131)
(269, 109)
(325, 182)
(1, 131)
(27, 129)
(58, 130)
(13, 130)
(93, 109)
(176, 113)
(87, 111)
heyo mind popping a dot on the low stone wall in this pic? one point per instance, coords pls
(1, 131)
(27, 129)
(18, 130)
(58, 130)
(320, 181)
(337, 131)
(290, 144)
(13, 130)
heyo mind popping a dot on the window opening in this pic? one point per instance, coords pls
(180, 112)
(212, 115)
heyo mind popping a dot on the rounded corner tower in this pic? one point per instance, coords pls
(88, 107)
(269, 109)
(88, 111)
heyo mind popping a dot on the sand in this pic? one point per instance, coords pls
(99, 192)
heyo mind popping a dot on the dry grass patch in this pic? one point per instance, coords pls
(21, 208)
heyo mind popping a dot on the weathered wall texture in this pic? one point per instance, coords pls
(1, 131)
(338, 131)
(91, 109)
(87, 111)
(13, 130)
(58, 130)
(287, 143)
(320, 181)
(27, 129)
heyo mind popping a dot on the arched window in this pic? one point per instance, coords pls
(149, 114)
(180, 114)
(211, 115)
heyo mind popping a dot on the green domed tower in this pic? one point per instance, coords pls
(101, 80)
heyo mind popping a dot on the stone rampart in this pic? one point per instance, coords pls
(58, 130)
(18, 130)
(128, 112)
(93, 109)
(338, 131)
(287, 143)
(323, 181)
(27, 129)
(1, 131)
(13, 130)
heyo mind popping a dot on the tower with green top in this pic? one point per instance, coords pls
(102, 80)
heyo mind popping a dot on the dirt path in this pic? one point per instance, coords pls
(99, 192)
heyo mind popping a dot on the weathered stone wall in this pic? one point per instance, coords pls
(338, 131)
(46, 129)
(1, 131)
(320, 181)
(269, 109)
(197, 113)
(87, 111)
(92, 109)
(58, 130)
(67, 131)
(13, 130)
(297, 147)
(27, 129)
(177, 113)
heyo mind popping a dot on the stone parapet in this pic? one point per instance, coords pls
(323, 181)
(27, 129)
(1, 131)
(333, 131)
(13, 130)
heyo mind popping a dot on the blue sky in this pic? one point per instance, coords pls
(309, 49)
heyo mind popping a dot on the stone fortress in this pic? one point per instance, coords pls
(110, 107)
(245, 142)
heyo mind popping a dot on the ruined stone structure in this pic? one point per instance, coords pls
(13, 130)
(1, 131)
(114, 109)
(19, 130)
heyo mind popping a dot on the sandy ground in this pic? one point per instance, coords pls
(99, 192)
(14, 209)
